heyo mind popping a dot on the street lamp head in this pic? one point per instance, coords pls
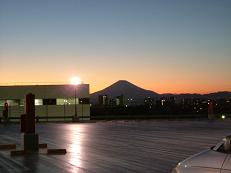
(75, 80)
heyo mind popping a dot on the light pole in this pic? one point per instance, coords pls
(75, 81)
(64, 109)
(75, 104)
(82, 107)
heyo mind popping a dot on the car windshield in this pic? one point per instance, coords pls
(220, 147)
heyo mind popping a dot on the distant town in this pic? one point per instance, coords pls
(124, 99)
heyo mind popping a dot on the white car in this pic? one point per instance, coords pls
(217, 159)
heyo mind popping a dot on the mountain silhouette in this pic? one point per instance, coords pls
(129, 90)
(219, 95)
(215, 95)
(125, 88)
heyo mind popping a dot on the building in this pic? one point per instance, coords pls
(120, 100)
(51, 101)
(112, 102)
(149, 102)
(103, 100)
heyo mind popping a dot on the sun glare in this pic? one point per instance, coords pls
(75, 80)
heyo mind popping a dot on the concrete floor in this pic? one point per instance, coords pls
(114, 146)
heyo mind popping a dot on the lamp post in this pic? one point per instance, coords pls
(64, 109)
(75, 81)
(75, 104)
(82, 108)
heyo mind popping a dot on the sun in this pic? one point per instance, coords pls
(75, 80)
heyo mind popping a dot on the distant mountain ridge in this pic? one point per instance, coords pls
(129, 90)
(125, 88)
(215, 95)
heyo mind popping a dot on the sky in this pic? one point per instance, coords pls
(168, 46)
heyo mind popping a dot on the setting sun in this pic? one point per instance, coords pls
(75, 80)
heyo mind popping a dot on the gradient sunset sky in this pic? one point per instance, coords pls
(175, 46)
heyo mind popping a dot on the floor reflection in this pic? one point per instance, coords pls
(75, 147)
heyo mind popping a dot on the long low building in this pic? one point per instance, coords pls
(51, 101)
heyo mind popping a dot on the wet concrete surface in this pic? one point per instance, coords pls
(112, 146)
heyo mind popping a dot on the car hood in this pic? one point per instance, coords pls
(206, 159)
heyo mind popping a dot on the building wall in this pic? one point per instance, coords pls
(58, 92)
(45, 91)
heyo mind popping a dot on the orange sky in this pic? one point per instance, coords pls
(97, 81)
(164, 46)
(161, 78)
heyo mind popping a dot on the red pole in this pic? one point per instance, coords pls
(210, 110)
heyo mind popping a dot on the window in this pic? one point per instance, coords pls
(38, 102)
(71, 101)
(49, 101)
(221, 149)
(2, 102)
(61, 101)
(15, 102)
(84, 101)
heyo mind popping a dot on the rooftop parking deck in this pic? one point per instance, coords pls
(112, 146)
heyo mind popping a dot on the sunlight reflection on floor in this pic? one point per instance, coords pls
(75, 146)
